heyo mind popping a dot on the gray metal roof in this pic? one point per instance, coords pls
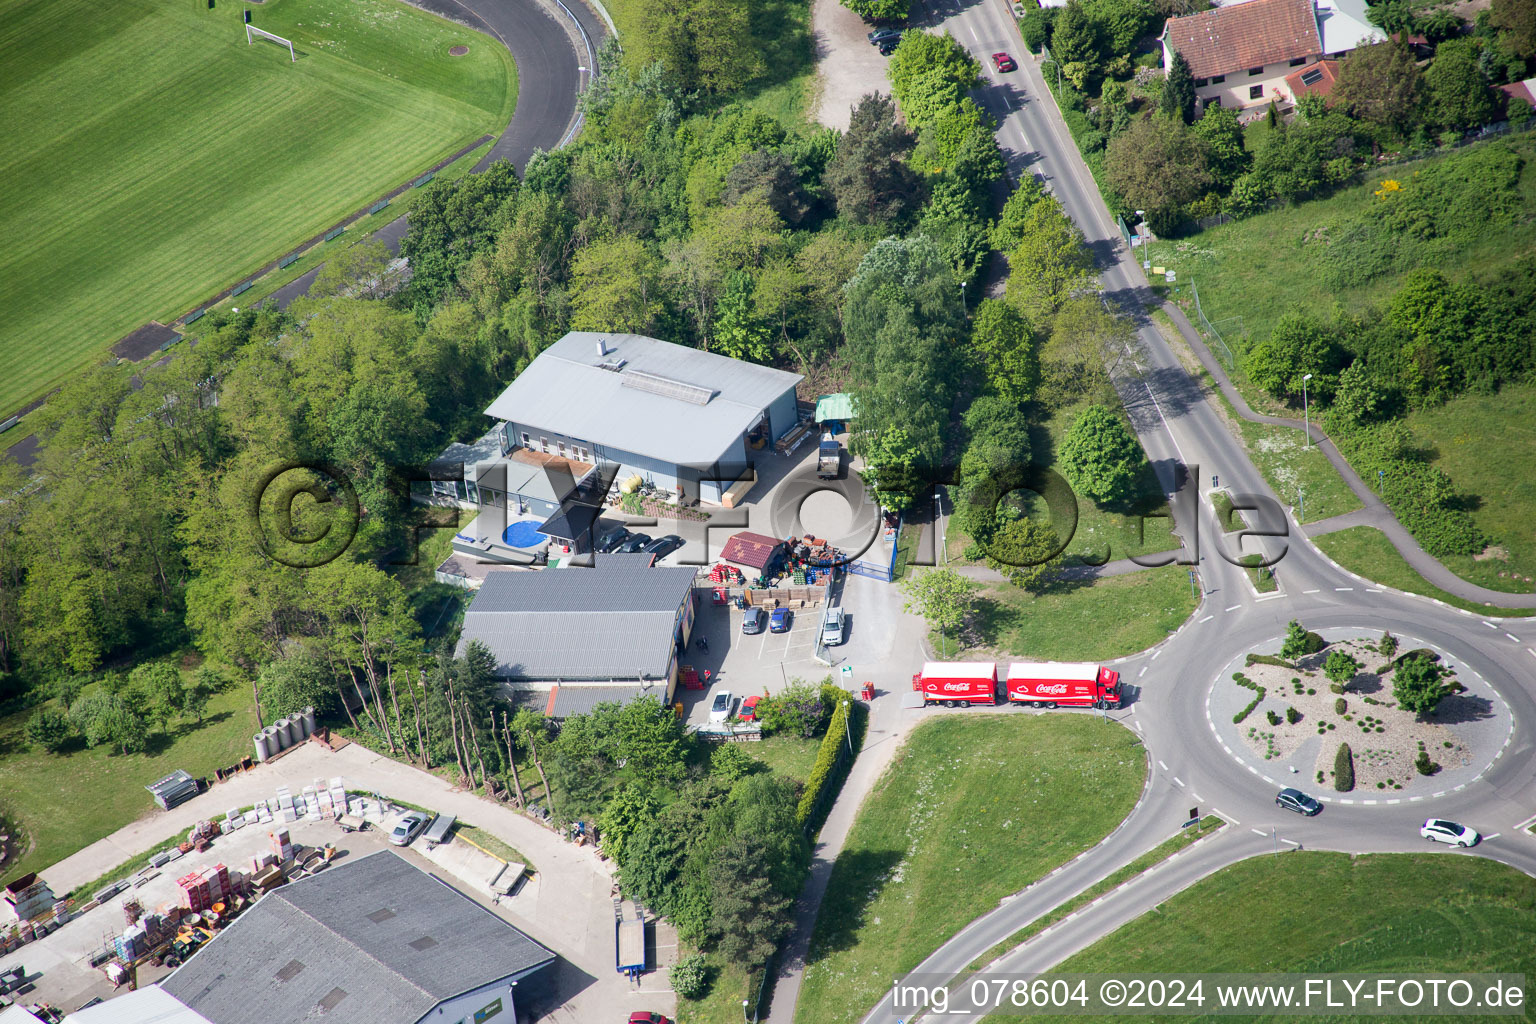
(367, 941)
(487, 448)
(671, 402)
(612, 621)
(579, 698)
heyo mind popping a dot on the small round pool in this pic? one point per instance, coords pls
(523, 534)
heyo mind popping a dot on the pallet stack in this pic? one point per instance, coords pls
(282, 846)
(196, 893)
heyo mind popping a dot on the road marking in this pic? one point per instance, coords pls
(1531, 651)
(1373, 590)
(1346, 801)
(1156, 653)
(1142, 672)
(1489, 624)
(1224, 816)
(1397, 801)
(1309, 591)
(1137, 724)
(1292, 842)
(1258, 832)
(1341, 589)
(1494, 836)
(1234, 608)
(1513, 637)
(1208, 618)
(1197, 796)
(1369, 803)
(1162, 764)
(1179, 781)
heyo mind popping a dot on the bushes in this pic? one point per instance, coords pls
(1422, 497)
(1299, 642)
(1272, 718)
(1340, 706)
(832, 758)
(1242, 680)
(1268, 659)
(1344, 769)
(1423, 765)
(1292, 715)
(689, 976)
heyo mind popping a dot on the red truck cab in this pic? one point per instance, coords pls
(956, 683)
(1059, 684)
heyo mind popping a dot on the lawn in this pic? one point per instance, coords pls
(1106, 619)
(974, 807)
(65, 802)
(1333, 912)
(790, 756)
(1487, 445)
(153, 157)
(1366, 550)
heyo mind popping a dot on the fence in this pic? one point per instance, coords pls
(874, 570)
(1211, 329)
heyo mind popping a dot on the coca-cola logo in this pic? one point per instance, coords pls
(1054, 688)
(957, 687)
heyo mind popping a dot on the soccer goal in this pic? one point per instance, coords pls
(251, 32)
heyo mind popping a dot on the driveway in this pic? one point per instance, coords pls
(848, 66)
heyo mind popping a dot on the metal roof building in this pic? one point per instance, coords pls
(620, 621)
(369, 941)
(148, 1005)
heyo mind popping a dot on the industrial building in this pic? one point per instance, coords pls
(575, 636)
(369, 941)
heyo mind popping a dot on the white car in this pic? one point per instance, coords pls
(407, 828)
(720, 709)
(1438, 830)
(832, 628)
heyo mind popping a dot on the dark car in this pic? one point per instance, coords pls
(1296, 800)
(661, 547)
(887, 48)
(635, 544)
(781, 620)
(610, 542)
(883, 36)
(754, 621)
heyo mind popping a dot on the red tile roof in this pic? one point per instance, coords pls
(751, 549)
(1328, 72)
(1244, 35)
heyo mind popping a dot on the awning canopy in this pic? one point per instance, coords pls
(834, 407)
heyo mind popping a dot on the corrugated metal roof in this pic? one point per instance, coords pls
(148, 1005)
(578, 698)
(567, 390)
(613, 621)
(357, 964)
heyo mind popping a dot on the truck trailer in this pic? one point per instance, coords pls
(956, 683)
(1057, 684)
(829, 458)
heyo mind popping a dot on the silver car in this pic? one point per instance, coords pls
(832, 627)
(407, 828)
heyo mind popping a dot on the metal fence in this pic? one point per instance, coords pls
(1210, 329)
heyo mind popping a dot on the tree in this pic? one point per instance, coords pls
(1340, 668)
(797, 710)
(1360, 398)
(1226, 158)
(195, 698)
(1418, 685)
(50, 729)
(739, 332)
(1008, 349)
(879, 10)
(1516, 21)
(1075, 36)
(749, 916)
(1121, 23)
(632, 805)
(358, 270)
(771, 175)
(1298, 345)
(942, 596)
(160, 685)
(1026, 552)
(730, 761)
(1179, 90)
(705, 45)
(1298, 642)
(891, 462)
(867, 178)
(1101, 458)
(107, 720)
(1013, 222)
(616, 286)
(299, 680)
(1379, 83)
(1388, 644)
(689, 976)
(1050, 264)
(1458, 95)
(1088, 343)
(930, 74)
(1159, 164)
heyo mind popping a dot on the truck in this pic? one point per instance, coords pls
(956, 683)
(1059, 684)
(829, 458)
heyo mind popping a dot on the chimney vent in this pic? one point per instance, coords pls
(602, 347)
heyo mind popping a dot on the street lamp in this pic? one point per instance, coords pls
(744, 1012)
(962, 296)
(1305, 409)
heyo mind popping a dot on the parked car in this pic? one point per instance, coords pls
(1003, 63)
(832, 627)
(720, 707)
(748, 710)
(407, 828)
(884, 36)
(1296, 800)
(609, 542)
(647, 1017)
(661, 547)
(1438, 830)
(781, 620)
(887, 48)
(753, 621)
(635, 543)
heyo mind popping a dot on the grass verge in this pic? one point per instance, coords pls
(973, 807)
(1262, 579)
(1104, 619)
(483, 841)
(1333, 912)
(1167, 848)
(1367, 551)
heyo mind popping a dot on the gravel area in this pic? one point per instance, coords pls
(848, 66)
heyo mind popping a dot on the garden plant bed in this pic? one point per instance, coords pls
(1460, 737)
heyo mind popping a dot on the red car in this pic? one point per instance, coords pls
(748, 710)
(1002, 62)
(647, 1017)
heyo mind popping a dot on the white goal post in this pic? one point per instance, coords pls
(252, 30)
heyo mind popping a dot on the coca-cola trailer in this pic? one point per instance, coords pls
(954, 683)
(1058, 684)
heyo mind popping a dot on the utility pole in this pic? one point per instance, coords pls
(1306, 410)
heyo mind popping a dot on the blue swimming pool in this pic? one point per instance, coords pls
(523, 534)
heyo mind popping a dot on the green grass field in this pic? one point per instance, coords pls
(153, 158)
(64, 802)
(1331, 912)
(1366, 550)
(973, 808)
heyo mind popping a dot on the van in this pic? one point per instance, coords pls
(832, 627)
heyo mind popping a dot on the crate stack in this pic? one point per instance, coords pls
(282, 846)
(133, 943)
(196, 893)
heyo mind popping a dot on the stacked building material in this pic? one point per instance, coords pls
(282, 846)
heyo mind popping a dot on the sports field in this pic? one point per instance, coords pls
(152, 157)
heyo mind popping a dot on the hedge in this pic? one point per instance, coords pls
(1267, 659)
(1344, 769)
(1242, 680)
(832, 760)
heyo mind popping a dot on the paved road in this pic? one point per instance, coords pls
(1179, 428)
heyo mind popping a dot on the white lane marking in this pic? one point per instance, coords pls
(1156, 653)
(1208, 618)
(1494, 836)
(1489, 624)
(1258, 832)
(1309, 591)
(1137, 724)
(1513, 637)
(1291, 842)
(1234, 608)
(1531, 651)
(1179, 781)
(1373, 590)
(1197, 796)
(1369, 803)
(1162, 764)
(1224, 816)
(1397, 801)
(1343, 588)
(1142, 672)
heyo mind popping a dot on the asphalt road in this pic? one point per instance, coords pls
(1188, 767)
